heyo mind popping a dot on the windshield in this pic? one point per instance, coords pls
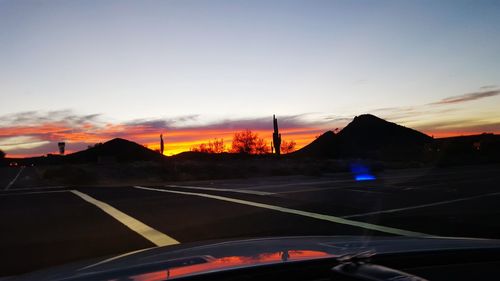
(129, 125)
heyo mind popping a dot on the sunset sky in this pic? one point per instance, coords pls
(84, 71)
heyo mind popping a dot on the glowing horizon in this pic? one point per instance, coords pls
(176, 140)
(39, 140)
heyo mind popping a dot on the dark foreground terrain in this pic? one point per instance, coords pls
(42, 226)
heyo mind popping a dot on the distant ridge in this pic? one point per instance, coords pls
(372, 137)
(368, 136)
(323, 146)
(367, 128)
(117, 149)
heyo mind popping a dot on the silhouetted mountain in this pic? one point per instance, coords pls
(368, 128)
(371, 137)
(322, 147)
(119, 150)
(368, 136)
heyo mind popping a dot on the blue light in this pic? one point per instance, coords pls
(362, 172)
(359, 169)
(365, 177)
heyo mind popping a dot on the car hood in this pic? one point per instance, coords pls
(198, 258)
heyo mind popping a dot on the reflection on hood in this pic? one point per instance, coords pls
(229, 262)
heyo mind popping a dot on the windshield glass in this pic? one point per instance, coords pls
(129, 125)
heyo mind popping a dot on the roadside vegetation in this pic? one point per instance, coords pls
(244, 142)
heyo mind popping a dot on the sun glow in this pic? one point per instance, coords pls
(28, 141)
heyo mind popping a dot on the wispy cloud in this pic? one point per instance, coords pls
(418, 111)
(460, 127)
(37, 117)
(178, 121)
(408, 114)
(467, 97)
(338, 119)
(288, 122)
(431, 117)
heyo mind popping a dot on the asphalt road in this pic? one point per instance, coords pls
(42, 226)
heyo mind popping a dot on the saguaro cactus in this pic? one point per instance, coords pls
(162, 147)
(276, 137)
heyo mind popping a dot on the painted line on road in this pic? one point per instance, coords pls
(22, 189)
(383, 177)
(306, 183)
(343, 188)
(31, 192)
(269, 186)
(364, 191)
(255, 192)
(156, 237)
(15, 178)
(421, 206)
(329, 218)
(312, 189)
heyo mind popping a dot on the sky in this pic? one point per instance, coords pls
(84, 71)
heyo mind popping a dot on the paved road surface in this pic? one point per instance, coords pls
(42, 226)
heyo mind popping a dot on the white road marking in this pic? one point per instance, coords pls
(365, 191)
(344, 188)
(15, 178)
(297, 212)
(156, 237)
(269, 186)
(255, 192)
(388, 178)
(306, 183)
(422, 206)
(31, 192)
(312, 189)
(37, 188)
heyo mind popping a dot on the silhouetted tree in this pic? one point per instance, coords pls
(261, 147)
(249, 143)
(202, 147)
(2, 154)
(215, 146)
(243, 142)
(288, 146)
